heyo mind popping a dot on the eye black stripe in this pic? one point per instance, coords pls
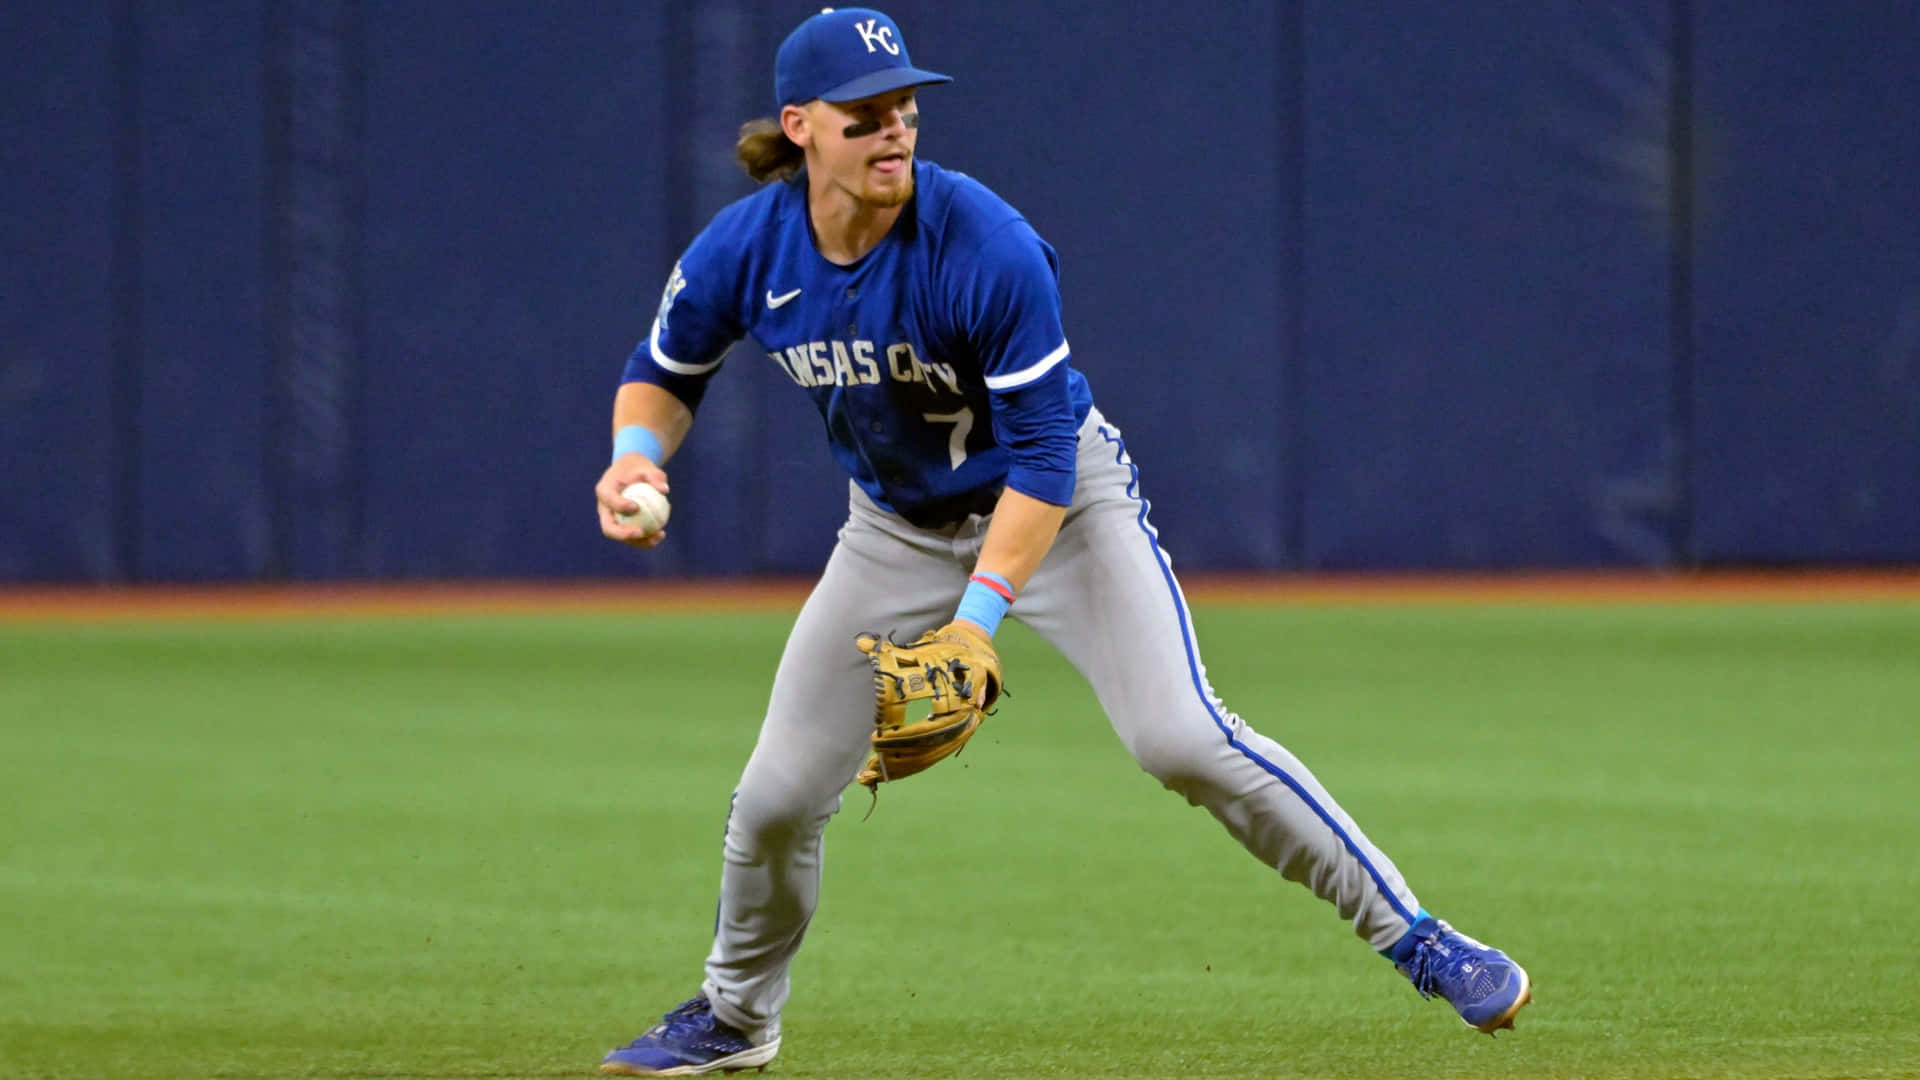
(860, 129)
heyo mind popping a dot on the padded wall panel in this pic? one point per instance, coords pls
(1487, 362)
(202, 470)
(1807, 324)
(515, 242)
(59, 452)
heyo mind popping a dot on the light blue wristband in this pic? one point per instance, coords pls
(636, 439)
(986, 601)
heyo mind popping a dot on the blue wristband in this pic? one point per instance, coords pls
(986, 601)
(635, 439)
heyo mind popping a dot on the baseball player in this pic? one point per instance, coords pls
(921, 314)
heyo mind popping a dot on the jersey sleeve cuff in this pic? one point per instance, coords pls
(1049, 485)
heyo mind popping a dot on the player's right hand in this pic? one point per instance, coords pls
(627, 469)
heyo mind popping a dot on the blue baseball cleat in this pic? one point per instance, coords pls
(690, 1041)
(1481, 983)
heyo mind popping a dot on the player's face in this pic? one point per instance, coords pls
(865, 147)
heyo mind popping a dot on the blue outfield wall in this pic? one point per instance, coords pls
(1486, 365)
(61, 482)
(1806, 314)
(342, 288)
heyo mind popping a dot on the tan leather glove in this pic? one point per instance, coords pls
(954, 670)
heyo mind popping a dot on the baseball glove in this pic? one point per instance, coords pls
(954, 670)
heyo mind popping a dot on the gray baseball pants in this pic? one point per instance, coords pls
(1107, 599)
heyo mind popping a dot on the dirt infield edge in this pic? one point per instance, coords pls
(96, 603)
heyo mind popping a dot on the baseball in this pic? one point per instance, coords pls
(654, 508)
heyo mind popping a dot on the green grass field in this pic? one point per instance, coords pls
(489, 847)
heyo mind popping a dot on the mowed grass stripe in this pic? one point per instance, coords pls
(476, 847)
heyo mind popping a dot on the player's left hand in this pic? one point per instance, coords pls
(955, 670)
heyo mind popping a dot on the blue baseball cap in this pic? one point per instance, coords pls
(844, 55)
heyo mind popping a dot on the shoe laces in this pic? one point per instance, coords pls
(1449, 969)
(689, 1017)
(1424, 968)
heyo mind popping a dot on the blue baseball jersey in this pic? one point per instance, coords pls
(937, 361)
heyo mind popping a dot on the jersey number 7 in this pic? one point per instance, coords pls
(962, 422)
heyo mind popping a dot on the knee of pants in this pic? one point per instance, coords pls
(773, 819)
(1178, 748)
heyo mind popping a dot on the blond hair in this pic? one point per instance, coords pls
(764, 150)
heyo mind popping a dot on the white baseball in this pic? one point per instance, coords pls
(654, 508)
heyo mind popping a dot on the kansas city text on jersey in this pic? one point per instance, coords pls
(857, 363)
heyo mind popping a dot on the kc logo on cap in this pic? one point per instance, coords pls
(882, 37)
(845, 54)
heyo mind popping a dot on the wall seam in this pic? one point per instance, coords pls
(276, 259)
(1682, 181)
(1293, 219)
(315, 80)
(123, 399)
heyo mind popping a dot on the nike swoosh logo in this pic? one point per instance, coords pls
(781, 300)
